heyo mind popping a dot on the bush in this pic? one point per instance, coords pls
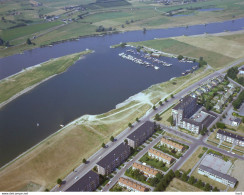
(180, 57)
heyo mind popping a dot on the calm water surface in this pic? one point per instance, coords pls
(93, 85)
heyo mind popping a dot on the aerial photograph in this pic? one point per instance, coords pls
(121, 96)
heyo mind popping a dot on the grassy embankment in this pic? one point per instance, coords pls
(133, 16)
(29, 77)
(177, 185)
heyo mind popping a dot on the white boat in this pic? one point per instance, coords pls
(156, 67)
(37, 124)
(61, 125)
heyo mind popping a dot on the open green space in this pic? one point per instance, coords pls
(154, 163)
(15, 84)
(167, 150)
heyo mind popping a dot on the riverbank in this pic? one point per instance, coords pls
(83, 137)
(26, 80)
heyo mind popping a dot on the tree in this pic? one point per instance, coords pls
(137, 119)
(157, 117)
(28, 41)
(207, 187)
(165, 100)
(84, 160)
(144, 30)
(160, 103)
(3, 19)
(154, 107)
(59, 181)
(130, 125)
(122, 25)
(112, 138)
(126, 141)
(184, 177)
(172, 95)
(177, 174)
(191, 180)
(180, 57)
(1, 41)
(199, 183)
(215, 189)
(7, 44)
(103, 145)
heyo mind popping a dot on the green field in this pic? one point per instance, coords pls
(117, 14)
(15, 84)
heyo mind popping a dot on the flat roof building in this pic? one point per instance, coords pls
(148, 172)
(217, 176)
(140, 134)
(230, 137)
(113, 159)
(89, 182)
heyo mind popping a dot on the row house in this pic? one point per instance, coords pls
(114, 159)
(147, 171)
(131, 185)
(171, 144)
(160, 156)
(230, 137)
(217, 176)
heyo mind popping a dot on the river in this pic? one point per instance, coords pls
(93, 85)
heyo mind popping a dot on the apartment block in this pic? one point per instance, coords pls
(230, 137)
(217, 176)
(141, 134)
(114, 159)
(89, 182)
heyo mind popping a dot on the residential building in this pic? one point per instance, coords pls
(186, 107)
(112, 160)
(183, 112)
(220, 78)
(215, 82)
(230, 137)
(148, 172)
(199, 91)
(236, 122)
(241, 70)
(160, 156)
(210, 85)
(171, 144)
(217, 176)
(89, 182)
(131, 185)
(205, 89)
(141, 134)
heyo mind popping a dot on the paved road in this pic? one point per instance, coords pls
(84, 168)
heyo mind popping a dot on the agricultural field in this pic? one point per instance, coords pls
(29, 18)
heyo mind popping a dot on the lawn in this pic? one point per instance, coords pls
(189, 164)
(15, 84)
(176, 137)
(176, 185)
(167, 150)
(154, 163)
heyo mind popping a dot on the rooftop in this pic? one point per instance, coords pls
(146, 169)
(81, 184)
(216, 163)
(132, 184)
(184, 102)
(217, 173)
(113, 154)
(235, 136)
(140, 131)
(160, 154)
(175, 145)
